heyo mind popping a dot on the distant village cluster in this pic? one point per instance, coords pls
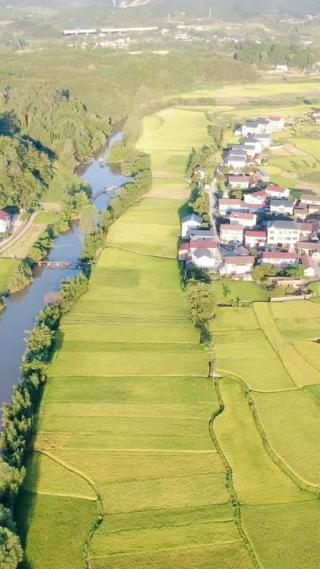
(264, 225)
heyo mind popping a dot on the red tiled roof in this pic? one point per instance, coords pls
(274, 188)
(305, 227)
(226, 201)
(315, 245)
(231, 227)
(242, 215)
(252, 233)
(184, 247)
(205, 244)
(278, 255)
(239, 178)
(4, 215)
(252, 205)
(239, 260)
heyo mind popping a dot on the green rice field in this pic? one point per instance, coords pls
(140, 458)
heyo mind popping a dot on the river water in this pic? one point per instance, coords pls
(22, 308)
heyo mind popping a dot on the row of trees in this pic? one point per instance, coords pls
(269, 53)
(131, 192)
(19, 415)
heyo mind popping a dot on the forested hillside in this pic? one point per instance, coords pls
(57, 107)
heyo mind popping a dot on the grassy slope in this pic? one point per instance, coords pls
(128, 402)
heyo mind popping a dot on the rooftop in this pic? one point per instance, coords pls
(275, 202)
(240, 260)
(253, 233)
(231, 227)
(283, 225)
(278, 255)
(238, 215)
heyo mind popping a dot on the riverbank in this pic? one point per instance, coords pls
(22, 307)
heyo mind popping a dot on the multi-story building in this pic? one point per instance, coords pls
(286, 233)
(243, 218)
(281, 206)
(255, 238)
(231, 233)
(279, 258)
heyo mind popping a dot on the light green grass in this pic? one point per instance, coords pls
(47, 217)
(293, 416)
(299, 368)
(228, 291)
(257, 479)
(7, 266)
(295, 525)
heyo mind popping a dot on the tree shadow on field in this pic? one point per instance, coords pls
(8, 124)
(25, 512)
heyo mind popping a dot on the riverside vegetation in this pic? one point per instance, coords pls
(20, 416)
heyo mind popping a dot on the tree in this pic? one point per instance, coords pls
(262, 272)
(11, 553)
(201, 301)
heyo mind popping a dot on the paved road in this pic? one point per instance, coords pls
(213, 189)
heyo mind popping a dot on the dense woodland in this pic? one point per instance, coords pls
(50, 119)
(266, 54)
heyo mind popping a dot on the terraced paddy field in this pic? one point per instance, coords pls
(269, 430)
(124, 471)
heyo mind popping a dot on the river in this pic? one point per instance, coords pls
(22, 308)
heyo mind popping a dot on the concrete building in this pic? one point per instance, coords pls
(201, 235)
(205, 255)
(226, 205)
(279, 258)
(242, 265)
(254, 238)
(257, 198)
(277, 191)
(239, 182)
(281, 206)
(188, 223)
(231, 233)
(243, 218)
(4, 221)
(237, 163)
(284, 233)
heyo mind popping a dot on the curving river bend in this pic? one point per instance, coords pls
(22, 308)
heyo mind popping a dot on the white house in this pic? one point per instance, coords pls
(258, 198)
(227, 205)
(258, 126)
(281, 206)
(264, 138)
(201, 235)
(231, 233)
(205, 255)
(188, 223)
(4, 221)
(310, 200)
(277, 191)
(254, 238)
(252, 146)
(241, 182)
(243, 218)
(276, 124)
(285, 233)
(310, 268)
(235, 162)
(242, 265)
(279, 258)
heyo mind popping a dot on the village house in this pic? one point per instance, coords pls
(235, 162)
(312, 202)
(286, 233)
(231, 233)
(188, 223)
(243, 218)
(252, 146)
(227, 205)
(316, 116)
(239, 182)
(313, 209)
(279, 258)
(306, 230)
(309, 248)
(263, 176)
(201, 234)
(300, 212)
(255, 238)
(184, 251)
(281, 206)
(310, 267)
(205, 255)
(277, 191)
(265, 140)
(238, 265)
(258, 126)
(282, 68)
(4, 221)
(254, 208)
(276, 124)
(257, 198)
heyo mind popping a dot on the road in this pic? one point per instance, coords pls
(16, 236)
(213, 189)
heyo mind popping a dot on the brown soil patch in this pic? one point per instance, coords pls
(288, 149)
